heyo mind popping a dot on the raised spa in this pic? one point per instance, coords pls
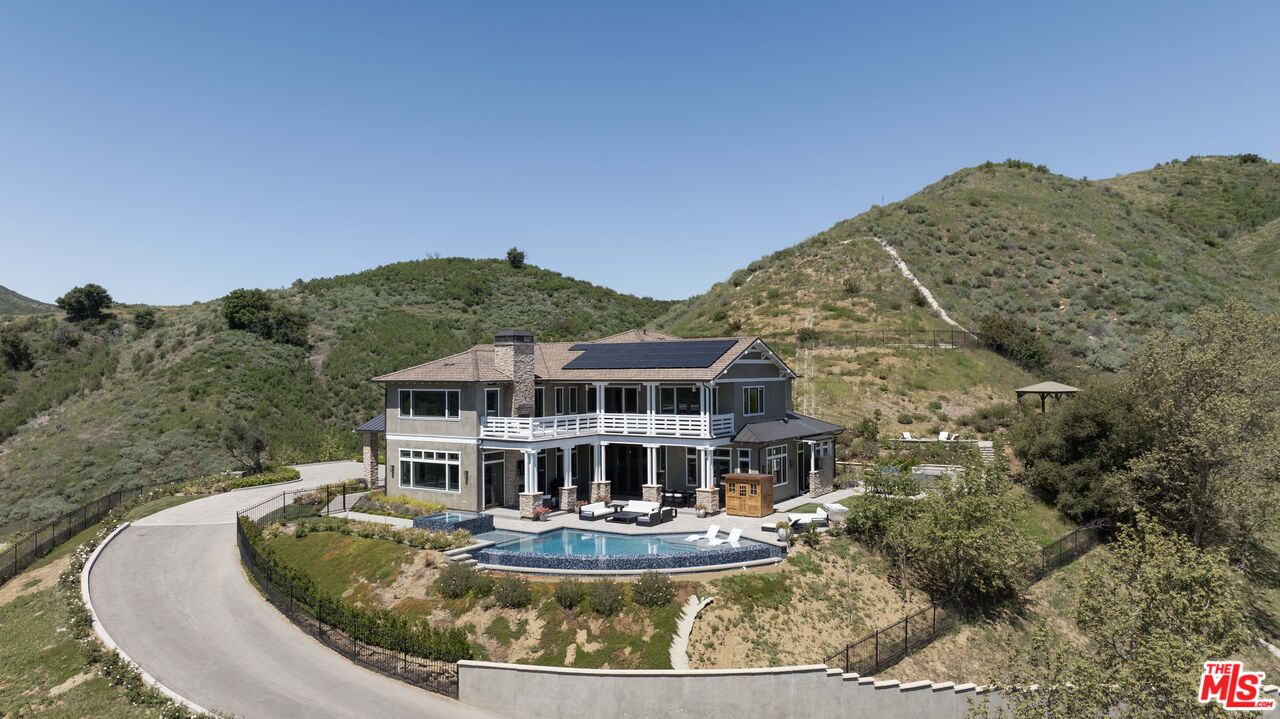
(582, 550)
(454, 519)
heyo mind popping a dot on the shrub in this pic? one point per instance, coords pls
(145, 318)
(570, 593)
(606, 597)
(456, 580)
(1016, 340)
(513, 592)
(805, 335)
(15, 351)
(515, 257)
(653, 590)
(255, 311)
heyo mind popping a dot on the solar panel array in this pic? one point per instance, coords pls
(682, 354)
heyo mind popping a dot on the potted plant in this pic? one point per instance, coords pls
(702, 511)
(784, 531)
(540, 513)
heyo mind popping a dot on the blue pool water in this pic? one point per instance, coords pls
(581, 550)
(455, 519)
(576, 542)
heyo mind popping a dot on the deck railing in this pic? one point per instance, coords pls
(575, 425)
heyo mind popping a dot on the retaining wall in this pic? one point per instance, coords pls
(811, 691)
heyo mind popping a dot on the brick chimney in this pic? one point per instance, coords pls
(513, 356)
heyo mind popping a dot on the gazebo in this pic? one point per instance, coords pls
(1056, 390)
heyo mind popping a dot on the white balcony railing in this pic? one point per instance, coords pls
(575, 425)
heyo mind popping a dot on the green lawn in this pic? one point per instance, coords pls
(336, 561)
(38, 657)
(1041, 522)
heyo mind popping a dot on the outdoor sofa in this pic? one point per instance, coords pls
(592, 512)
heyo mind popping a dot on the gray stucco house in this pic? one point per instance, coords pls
(638, 414)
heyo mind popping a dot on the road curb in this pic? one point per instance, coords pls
(105, 637)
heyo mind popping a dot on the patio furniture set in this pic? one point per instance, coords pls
(644, 514)
(713, 538)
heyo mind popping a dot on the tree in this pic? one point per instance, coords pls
(1014, 339)
(1152, 610)
(145, 318)
(85, 303)
(246, 442)
(961, 542)
(255, 311)
(515, 257)
(15, 351)
(1210, 396)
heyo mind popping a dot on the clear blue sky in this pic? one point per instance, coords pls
(175, 151)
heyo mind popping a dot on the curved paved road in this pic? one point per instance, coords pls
(170, 591)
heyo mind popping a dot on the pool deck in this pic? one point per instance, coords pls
(686, 521)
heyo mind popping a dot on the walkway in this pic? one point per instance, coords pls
(171, 592)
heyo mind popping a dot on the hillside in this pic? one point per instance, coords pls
(12, 303)
(113, 403)
(1092, 265)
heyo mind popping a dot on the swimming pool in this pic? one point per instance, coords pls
(588, 550)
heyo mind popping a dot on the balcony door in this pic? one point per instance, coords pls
(622, 400)
(624, 467)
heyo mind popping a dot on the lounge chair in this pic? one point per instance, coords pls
(816, 518)
(712, 531)
(943, 436)
(906, 436)
(732, 539)
(592, 512)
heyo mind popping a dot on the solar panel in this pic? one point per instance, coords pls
(682, 354)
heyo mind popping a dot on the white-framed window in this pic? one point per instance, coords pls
(573, 400)
(559, 400)
(492, 401)
(691, 466)
(744, 459)
(753, 399)
(430, 470)
(775, 463)
(678, 400)
(430, 403)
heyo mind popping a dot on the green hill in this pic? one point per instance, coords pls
(12, 303)
(110, 403)
(1093, 266)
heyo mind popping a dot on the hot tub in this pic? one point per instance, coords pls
(455, 519)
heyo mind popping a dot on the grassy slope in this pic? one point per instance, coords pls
(12, 303)
(150, 405)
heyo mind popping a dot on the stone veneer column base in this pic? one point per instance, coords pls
(651, 493)
(529, 501)
(370, 460)
(709, 498)
(568, 495)
(601, 492)
(819, 484)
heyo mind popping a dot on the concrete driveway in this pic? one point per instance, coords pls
(171, 592)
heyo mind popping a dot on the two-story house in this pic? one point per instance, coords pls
(633, 415)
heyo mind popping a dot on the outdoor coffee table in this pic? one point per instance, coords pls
(617, 505)
(625, 517)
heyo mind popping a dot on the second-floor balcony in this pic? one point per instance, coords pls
(574, 425)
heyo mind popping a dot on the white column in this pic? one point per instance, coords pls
(702, 467)
(711, 468)
(597, 462)
(566, 465)
(651, 464)
(599, 397)
(530, 471)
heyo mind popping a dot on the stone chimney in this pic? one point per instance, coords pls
(513, 356)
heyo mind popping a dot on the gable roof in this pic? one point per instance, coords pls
(550, 358)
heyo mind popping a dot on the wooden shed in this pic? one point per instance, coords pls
(748, 495)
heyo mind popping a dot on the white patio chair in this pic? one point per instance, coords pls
(732, 539)
(943, 436)
(906, 436)
(712, 531)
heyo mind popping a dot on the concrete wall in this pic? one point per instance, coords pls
(807, 691)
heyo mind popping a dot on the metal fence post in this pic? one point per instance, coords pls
(876, 666)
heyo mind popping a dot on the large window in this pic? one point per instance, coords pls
(753, 400)
(426, 469)
(723, 463)
(691, 466)
(429, 403)
(573, 400)
(744, 459)
(559, 400)
(678, 400)
(775, 463)
(622, 399)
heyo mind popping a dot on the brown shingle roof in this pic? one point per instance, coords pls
(549, 359)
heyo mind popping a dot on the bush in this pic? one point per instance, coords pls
(15, 351)
(606, 597)
(515, 257)
(1016, 340)
(145, 318)
(255, 311)
(84, 303)
(570, 593)
(806, 335)
(513, 592)
(456, 580)
(653, 590)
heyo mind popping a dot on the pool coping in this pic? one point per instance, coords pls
(628, 572)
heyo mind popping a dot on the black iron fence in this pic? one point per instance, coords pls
(313, 614)
(30, 547)
(887, 646)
